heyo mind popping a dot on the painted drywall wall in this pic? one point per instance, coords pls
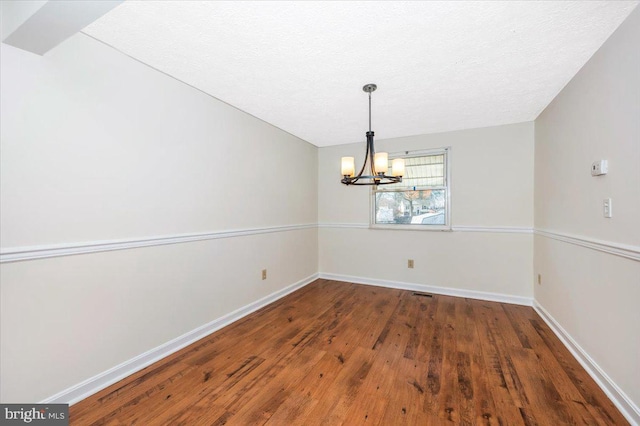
(99, 147)
(15, 13)
(109, 149)
(593, 295)
(491, 187)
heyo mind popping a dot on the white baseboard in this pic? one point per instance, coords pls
(447, 291)
(628, 409)
(94, 384)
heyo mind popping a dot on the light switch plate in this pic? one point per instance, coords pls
(606, 207)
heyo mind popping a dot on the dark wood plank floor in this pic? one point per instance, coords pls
(337, 353)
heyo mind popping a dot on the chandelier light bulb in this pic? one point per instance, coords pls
(397, 167)
(381, 162)
(348, 166)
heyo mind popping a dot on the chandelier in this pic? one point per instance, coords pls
(377, 162)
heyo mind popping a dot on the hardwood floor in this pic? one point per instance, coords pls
(338, 353)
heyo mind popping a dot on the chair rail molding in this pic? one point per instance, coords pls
(617, 249)
(57, 250)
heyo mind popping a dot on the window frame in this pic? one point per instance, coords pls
(447, 187)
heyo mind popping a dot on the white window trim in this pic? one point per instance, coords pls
(404, 154)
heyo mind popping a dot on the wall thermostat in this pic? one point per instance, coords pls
(599, 168)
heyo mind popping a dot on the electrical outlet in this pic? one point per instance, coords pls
(264, 274)
(410, 263)
(539, 279)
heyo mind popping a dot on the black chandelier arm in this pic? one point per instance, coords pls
(373, 180)
(364, 164)
(369, 157)
(372, 152)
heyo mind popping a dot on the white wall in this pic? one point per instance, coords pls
(491, 187)
(592, 294)
(98, 147)
(15, 13)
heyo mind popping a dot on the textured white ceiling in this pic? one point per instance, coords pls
(300, 66)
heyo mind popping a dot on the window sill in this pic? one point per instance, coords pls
(440, 228)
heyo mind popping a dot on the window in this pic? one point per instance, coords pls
(421, 200)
